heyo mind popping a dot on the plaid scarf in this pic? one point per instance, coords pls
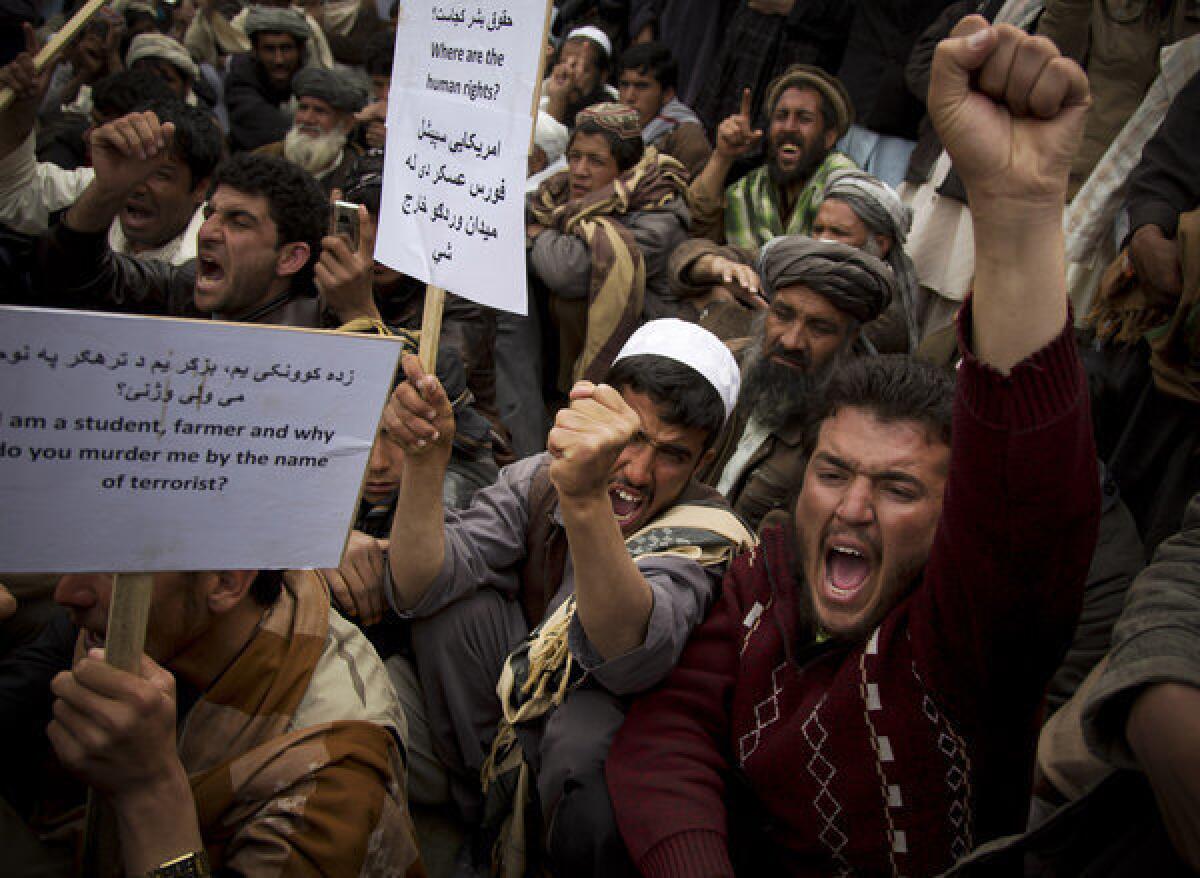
(540, 672)
(591, 333)
(753, 203)
(284, 783)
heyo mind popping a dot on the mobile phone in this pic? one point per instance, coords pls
(343, 220)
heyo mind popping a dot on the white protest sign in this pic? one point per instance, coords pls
(140, 444)
(458, 129)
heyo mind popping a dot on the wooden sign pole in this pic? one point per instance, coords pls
(435, 297)
(125, 637)
(54, 46)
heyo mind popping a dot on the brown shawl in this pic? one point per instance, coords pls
(592, 333)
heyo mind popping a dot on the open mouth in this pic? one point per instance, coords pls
(137, 214)
(627, 504)
(209, 272)
(790, 153)
(847, 570)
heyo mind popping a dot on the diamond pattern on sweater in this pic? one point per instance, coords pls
(766, 713)
(823, 772)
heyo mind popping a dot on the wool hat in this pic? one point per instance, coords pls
(273, 19)
(162, 47)
(618, 119)
(828, 86)
(332, 86)
(693, 346)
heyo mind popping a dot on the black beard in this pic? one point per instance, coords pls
(811, 156)
(777, 392)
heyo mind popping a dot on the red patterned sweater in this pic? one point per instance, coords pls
(896, 756)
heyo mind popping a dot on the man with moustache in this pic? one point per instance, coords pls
(865, 697)
(256, 248)
(821, 294)
(604, 546)
(318, 141)
(259, 84)
(807, 111)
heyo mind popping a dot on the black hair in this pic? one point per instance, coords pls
(380, 53)
(297, 202)
(266, 587)
(892, 388)
(684, 397)
(652, 59)
(197, 141)
(627, 151)
(121, 93)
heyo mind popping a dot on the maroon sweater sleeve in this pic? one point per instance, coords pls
(1004, 581)
(665, 769)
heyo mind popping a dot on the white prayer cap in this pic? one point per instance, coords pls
(593, 33)
(551, 135)
(693, 346)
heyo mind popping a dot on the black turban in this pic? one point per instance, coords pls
(851, 279)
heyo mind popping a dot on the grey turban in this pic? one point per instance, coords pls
(853, 281)
(164, 48)
(272, 19)
(332, 86)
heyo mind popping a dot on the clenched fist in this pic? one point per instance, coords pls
(588, 437)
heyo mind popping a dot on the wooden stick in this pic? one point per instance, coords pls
(125, 637)
(541, 75)
(54, 46)
(431, 327)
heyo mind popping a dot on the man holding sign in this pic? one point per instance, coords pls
(605, 547)
(238, 742)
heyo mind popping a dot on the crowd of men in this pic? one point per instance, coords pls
(832, 512)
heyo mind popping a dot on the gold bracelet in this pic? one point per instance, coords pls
(193, 864)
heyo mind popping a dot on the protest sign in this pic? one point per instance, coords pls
(142, 444)
(458, 130)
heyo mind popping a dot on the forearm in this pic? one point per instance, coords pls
(1020, 302)
(159, 824)
(613, 600)
(418, 537)
(95, 210)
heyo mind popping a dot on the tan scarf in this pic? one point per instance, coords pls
(592, 332)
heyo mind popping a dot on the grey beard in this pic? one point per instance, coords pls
(316, 155)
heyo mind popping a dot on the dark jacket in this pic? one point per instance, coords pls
(1166, 182)
(256, 115)
(882, 35)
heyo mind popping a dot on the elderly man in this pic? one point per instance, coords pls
(277, 767)
(821, 295)
(579, 75)
(862, 211)
(807, 111)
(605, 546)
(160, 215)
(260, 83)
(646, 78)
(599, 235)
(865, 696)
(260, 238)
(319, 139)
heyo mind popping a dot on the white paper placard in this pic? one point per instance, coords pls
(458, 125)
(139, 444)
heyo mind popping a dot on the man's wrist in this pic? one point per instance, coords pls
(96, 208)
(157, 820)
(590, 502)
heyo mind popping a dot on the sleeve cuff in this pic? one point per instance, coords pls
(699, 853)
(1153, 213)
(1040, 389)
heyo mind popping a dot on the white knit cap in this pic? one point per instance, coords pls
(693, 346)
(593, 33)
(551, 135)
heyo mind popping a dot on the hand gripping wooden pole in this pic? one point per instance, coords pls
(125, 637)
(53, 48)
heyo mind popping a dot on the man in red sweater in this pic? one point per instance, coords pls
(864, 697)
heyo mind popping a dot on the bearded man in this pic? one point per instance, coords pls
(807, 111)
(821, 294)
(318, 141)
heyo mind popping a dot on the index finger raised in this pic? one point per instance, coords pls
(744, 110)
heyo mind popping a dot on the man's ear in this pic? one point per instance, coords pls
(668, 95)
(885, 245)
(705, 459)
(293, 256)
(830, 138)
(200, 190)
(230, 588)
